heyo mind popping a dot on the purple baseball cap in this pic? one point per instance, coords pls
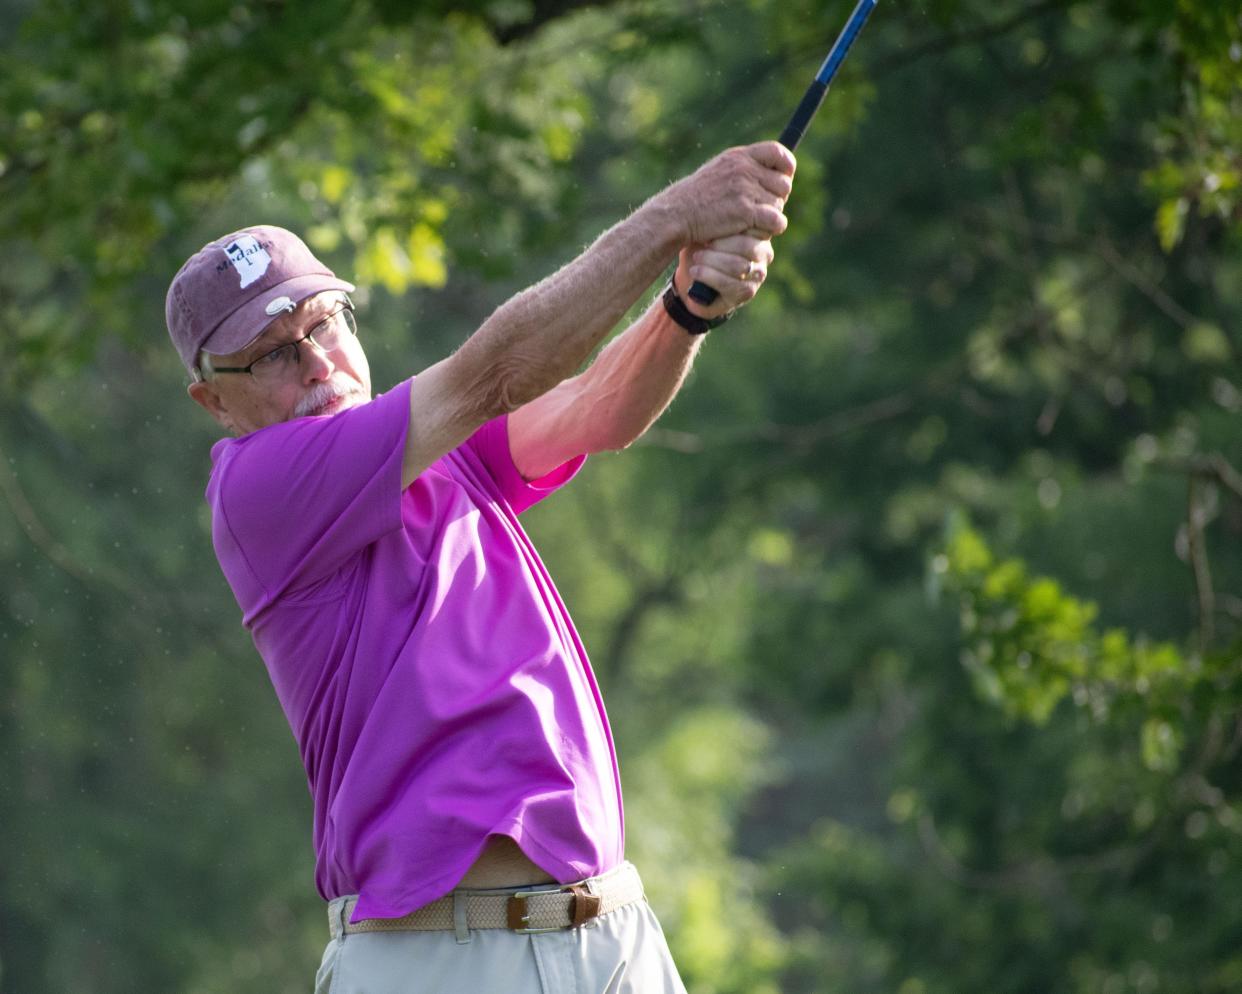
(231, 289)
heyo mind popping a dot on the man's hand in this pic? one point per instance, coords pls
(740, 190)
(732, 207)
(736, 266)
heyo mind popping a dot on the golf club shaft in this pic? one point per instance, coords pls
(814, 96)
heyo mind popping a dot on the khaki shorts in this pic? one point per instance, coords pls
(622, 952)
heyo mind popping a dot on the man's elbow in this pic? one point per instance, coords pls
(503, 385)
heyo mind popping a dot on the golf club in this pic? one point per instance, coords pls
(811, 100)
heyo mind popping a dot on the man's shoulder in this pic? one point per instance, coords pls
(274, 445)
(264, 450)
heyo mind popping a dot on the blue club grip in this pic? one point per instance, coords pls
(797, 125)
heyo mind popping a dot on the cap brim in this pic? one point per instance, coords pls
(250, 320)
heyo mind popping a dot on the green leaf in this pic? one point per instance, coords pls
(1171, 222)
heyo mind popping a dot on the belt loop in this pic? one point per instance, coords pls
(461, 905)
(338, 917)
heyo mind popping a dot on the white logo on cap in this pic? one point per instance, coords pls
(249, 258)
(278, 305)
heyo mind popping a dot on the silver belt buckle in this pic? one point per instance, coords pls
(519, 913)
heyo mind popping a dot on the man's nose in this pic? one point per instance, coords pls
(316, 363)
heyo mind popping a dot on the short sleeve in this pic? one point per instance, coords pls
(291, 503)
(490, 444)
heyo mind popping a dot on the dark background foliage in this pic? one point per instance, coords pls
(918, 613)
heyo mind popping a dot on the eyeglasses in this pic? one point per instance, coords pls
(279, 364)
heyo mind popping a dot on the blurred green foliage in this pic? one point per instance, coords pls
(917, 616)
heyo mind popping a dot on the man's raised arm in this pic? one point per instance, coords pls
(619, 396)
(544, 334)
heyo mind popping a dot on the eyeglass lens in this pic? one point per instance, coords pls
(327, 335)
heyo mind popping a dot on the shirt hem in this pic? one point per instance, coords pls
(563, 871)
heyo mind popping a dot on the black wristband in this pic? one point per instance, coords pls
(680, 313)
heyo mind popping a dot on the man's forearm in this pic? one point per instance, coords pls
(635, 378)
(544, 334)
(612, 402)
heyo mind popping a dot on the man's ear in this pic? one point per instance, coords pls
(206, 396)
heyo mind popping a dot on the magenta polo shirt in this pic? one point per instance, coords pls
(432, 678)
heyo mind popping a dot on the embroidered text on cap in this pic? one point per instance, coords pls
(248, 257)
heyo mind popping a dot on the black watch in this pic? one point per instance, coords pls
(680, 313)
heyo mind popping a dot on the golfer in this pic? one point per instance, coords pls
(468, 825)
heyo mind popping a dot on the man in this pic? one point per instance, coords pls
(468, 823)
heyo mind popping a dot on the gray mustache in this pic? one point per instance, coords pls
(322, 394)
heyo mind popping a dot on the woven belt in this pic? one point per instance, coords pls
(539, 908)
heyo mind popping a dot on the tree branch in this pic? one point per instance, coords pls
(1196, 515)
(1141, 282)
(544, 11)
(1211, 466)
(798, 438)
(45, 543)
(666, 591)
(1040, 873)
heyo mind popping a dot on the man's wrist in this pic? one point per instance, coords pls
(665, 222)
(676, 309)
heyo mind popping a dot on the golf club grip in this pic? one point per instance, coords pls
(814, 96)
(702, 293)
(809, 104)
